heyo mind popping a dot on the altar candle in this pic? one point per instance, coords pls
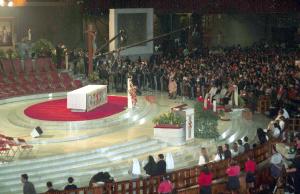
(29, 34)
(205, 103)
(215, 106)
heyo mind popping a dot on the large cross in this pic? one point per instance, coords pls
(90, 35)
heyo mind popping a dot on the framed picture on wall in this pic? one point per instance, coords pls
(6, 32)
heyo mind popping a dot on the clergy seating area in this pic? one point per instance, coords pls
(25, 77)
(184, 180)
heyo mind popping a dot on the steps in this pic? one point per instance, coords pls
(59, 168)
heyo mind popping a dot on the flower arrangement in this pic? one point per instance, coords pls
(169, 118)
(206, 122)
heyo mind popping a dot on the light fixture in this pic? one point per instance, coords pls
(10, 4)
(2, 3)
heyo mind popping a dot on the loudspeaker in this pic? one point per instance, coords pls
(36, 132)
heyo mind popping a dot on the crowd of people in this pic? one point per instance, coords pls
(260, 70)
(28, 187)
(276, 131)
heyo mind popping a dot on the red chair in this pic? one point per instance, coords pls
(42, 64)
(77, 84)
(18, 67)
(7, 67)
(28, 67)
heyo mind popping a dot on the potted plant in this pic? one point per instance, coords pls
(170, 119)
(169, 128)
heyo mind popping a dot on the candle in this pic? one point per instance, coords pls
(215, 106)
(205, 103)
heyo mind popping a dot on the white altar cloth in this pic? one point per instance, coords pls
(87, 98)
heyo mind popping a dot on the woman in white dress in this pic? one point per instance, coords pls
(220, 154)
(203, 158)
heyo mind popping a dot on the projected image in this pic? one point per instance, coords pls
(5, 32)
(135, 27)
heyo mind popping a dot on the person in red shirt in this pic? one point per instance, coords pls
(250, 168)
(166, 186)
(233, 172)
(205, 180)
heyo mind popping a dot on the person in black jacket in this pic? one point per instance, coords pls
(50, 188)
(150, 167)
(71, 185)
(161, 165)
(28, 187)
(262, 136)
(227, 152)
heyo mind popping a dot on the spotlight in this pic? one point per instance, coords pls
(10, 4)
(2, 3)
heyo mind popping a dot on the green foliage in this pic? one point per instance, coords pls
(206, 122)
(2, 54)
(94, 77)
(9, 54)
(12, 54)
(43, 48)
(169, 118)
(241, 101)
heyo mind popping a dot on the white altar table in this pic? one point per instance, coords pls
(87, 98)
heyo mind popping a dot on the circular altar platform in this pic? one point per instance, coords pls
(81, 148)
(89, 134)
(56, 110)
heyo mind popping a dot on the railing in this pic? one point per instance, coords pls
(263, 104)
(183, 178)
(262, 178)
(83, 190)
(294, 124)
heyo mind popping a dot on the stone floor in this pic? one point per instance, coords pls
(81, 149)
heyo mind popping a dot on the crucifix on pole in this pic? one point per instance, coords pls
(91, 35)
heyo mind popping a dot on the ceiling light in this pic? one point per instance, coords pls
(10, 4)
(2, 3)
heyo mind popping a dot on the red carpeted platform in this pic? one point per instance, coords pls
(56, 110)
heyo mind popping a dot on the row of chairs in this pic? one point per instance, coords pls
(32, 77)
(10, 147)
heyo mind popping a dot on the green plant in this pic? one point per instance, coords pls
(169, 118)
(43, 48)
(206, 122)
(2, 54)
(241, 102)
(12, 54)
(93, 77)
(221, 113)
